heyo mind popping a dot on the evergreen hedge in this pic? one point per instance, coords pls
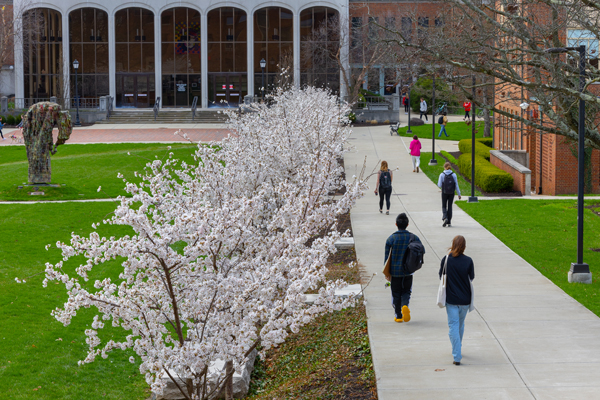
(487, 176)
(480, 149)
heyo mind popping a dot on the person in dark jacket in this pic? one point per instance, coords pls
(384, 186)
(460, 271)
(401, 280)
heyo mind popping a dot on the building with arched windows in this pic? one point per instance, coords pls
(138, 52)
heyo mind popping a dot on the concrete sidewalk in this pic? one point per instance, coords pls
(526, 340)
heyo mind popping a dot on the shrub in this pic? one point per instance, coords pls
(488, 141)
(487, 176)
(352, 117)
(10, 120)
(480, 149)
(449, 157)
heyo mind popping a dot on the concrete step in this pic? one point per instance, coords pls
(164, 117)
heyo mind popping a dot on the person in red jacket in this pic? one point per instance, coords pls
(467, 107)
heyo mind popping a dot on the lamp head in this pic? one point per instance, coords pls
(75, 64)
(556, 50)
(263, 63)
(524, 106)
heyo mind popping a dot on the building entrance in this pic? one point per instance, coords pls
(227, 89)
(135, 90)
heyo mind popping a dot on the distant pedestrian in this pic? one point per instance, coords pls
(443, 121)
(415, 153)
(400, 280)
(1, 126)
(423, 109)
(384, 186)
(448, 182)
(459, 271)
(467, 107)
(405, 104)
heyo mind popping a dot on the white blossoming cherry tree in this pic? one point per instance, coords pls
(225, 249)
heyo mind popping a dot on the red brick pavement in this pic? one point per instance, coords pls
(136, 135)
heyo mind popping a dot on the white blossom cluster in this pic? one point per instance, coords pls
(250, 214)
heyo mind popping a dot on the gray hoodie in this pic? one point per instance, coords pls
(448, 172)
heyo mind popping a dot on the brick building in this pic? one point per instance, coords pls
(552, 159)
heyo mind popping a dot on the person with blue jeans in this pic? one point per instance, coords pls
(400, 280)
(460, 271)
(443, 122)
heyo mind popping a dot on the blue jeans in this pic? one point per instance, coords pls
(443, 130)
(456, 323)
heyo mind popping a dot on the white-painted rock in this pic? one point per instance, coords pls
(241, 382)
(345, 292)
(344, 243)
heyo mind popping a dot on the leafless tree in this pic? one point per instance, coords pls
(325, 51)
(504, 43)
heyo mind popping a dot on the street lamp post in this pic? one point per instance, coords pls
(580, 271)
(409, 131)
(76, 67)
(433, 161)
(473, 198)
(263, 64)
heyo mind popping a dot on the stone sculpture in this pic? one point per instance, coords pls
(38, 123)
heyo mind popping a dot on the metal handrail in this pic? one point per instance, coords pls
(194, 107)
(109, 106)
(156, 107)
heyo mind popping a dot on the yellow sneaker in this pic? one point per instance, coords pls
(405, 313)
(398, 320)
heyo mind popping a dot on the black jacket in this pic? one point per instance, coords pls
(459, 271)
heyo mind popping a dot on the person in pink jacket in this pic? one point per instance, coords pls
(415, 153)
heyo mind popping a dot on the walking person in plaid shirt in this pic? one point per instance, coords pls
(401, 281)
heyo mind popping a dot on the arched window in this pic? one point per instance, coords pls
(42, 55)
(134, 57)
(88, 44)
(227, 56)
(319, 43)
(273, 42)
(181, 79)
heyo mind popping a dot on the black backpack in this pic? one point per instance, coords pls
(448, 184)
(441, 119)
(385, 180)
(413, 256)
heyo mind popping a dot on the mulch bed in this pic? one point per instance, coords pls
(329, 358)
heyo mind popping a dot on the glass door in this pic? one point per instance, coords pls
(135, 90)
(141, 91)
(129, 95)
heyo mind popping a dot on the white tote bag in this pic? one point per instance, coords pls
(441, 297)
(472, 305)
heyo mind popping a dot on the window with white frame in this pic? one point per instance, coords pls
(578, 37)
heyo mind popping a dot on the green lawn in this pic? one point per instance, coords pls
(38, 355)
(433, 172)
(81, 168)
(456, 131)
(544, 233)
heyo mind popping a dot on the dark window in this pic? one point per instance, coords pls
(42, 54)
(88, 33)
(273, 42)
(407, 26)
(319, 43)
(180, 32)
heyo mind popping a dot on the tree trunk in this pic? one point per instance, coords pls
(229, 380)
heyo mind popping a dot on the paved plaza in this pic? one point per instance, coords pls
(136, 133)
(526, 340)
